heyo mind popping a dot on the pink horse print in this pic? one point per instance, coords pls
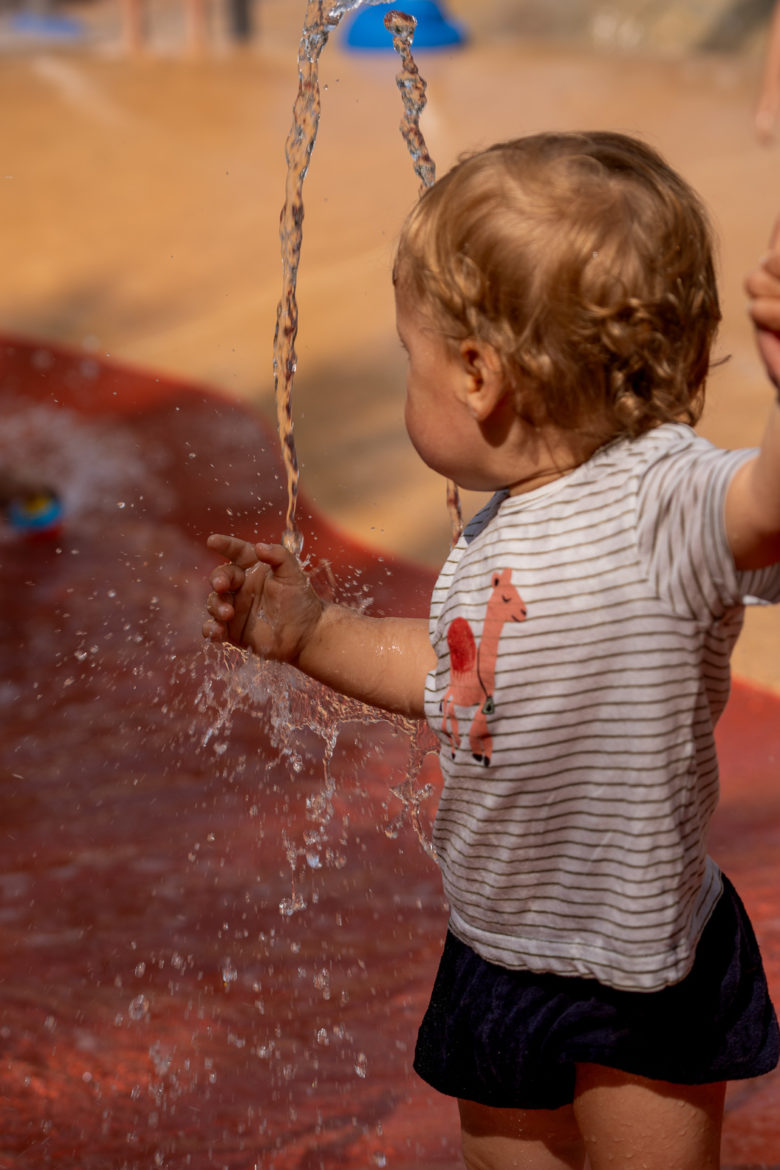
(472, 667)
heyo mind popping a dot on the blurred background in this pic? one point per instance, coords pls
(142, 174)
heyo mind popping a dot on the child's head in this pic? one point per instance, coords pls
(586, 262)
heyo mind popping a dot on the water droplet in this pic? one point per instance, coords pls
(293, 542)
(322, 982)
(229, 974)
(139, 1008)
(290, 906)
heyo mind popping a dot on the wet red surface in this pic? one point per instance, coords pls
(218, 926)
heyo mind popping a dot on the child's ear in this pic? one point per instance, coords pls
(484, 382)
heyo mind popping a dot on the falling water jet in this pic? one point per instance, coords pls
(319, 714)
(413, 95)
(319, 21)
(412, 88)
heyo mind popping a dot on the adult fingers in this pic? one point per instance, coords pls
(769, 348)
(774, 237)
(765, 312)
(764, 280)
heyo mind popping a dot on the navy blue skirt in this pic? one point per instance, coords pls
(513, 1039)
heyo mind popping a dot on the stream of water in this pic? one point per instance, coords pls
(319, 21)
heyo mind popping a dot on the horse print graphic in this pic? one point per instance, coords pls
(472, 667)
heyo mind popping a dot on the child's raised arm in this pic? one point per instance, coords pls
(753, 501)
(261, 599)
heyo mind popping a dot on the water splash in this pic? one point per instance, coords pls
(305, 706)
(291, 709)
(319, 21)
(413, 89)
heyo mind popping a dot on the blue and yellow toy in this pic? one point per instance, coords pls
(36, 513)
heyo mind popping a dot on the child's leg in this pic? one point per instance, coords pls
(520, 1139)
(630, 1121)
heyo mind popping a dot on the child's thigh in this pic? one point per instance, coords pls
(534, 1139)
(659, 1125)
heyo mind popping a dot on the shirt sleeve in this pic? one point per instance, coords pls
(682, 533)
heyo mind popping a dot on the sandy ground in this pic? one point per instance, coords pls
(140, 202)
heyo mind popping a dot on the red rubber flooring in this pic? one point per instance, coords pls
(218, 925)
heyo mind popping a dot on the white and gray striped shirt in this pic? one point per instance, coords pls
(590, 626)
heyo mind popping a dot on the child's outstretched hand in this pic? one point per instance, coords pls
(763, 289)
(261, 599)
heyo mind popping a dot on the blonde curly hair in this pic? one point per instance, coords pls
(587, 263)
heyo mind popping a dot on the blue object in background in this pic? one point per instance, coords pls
(39, 514)
(366, 28)
(46, 26)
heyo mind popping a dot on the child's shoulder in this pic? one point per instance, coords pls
(671, 457)
(661, 442)
(670, 450)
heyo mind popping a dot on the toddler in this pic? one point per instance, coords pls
(600, 980)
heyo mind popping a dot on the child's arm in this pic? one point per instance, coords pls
(263, 600)
(753, 500)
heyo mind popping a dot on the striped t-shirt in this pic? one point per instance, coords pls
(583, 634)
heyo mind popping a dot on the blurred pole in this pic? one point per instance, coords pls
(133, 24)
(240, 12)
(197, 35)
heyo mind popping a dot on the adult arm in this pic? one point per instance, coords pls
(753, 499)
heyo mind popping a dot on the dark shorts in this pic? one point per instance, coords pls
(512, 1039)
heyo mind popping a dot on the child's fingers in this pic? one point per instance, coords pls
(232, 548)
(227, 578)
(214, 631)
(283, 564)
(219, 607)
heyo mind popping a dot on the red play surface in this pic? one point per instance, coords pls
(218, 926)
